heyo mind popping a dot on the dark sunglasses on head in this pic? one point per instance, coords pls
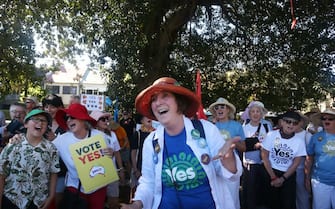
(222, 106)
(328, 119)
(104, 119)
(294, 122)
(67, 117)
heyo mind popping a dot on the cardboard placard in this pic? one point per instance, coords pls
(95, 169)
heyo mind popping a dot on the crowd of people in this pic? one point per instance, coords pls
(185, 162)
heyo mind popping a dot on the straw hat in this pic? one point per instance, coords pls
(223, 101)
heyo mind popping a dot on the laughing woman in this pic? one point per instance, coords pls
(182, 168)
(79, 124)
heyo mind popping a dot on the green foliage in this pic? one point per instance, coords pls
(245, 49)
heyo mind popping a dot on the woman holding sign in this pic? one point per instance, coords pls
(78, 124)
(184, 165)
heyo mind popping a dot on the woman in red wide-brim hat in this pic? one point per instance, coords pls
(79, 125)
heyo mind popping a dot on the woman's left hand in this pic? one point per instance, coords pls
(109, 152)
(278, 182)
(226, 150)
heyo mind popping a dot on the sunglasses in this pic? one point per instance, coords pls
(294, 122)
(104, 119)
(67, 117)
(222, 106)
(327, 119)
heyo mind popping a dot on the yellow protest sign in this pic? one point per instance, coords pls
(95, 169)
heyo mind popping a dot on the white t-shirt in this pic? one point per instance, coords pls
(63, 142)
(283, 151)
(253, 157)
(113, 143)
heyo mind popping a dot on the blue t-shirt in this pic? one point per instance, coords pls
(184, 181)
(230, 129)
(322, 147)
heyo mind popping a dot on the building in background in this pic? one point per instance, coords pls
(75, 81)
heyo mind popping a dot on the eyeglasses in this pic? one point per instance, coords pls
(327, 119)
(39, 120)
(28, 102)
(18, 112)
(222, 106)
(67, 117)
(294, 122)
(104, 119)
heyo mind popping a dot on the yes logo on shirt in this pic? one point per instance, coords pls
(183, 170)
(329, 148)
(282, 154)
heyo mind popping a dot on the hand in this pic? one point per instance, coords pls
(137, 174)
(278, 182)
(258, 145)
(109, 152)
(226, 150)
(17, 138)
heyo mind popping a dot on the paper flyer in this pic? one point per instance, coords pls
(95, 169)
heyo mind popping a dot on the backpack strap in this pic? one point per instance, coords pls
(198, 125)
(266, 127)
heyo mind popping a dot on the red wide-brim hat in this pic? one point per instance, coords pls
(77, 111)
(143, 99)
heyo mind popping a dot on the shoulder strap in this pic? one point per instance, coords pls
(266, 127)
(198, 125)
(258, 129)
(138, 138)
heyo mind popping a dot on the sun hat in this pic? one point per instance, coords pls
(75, 110)
(328, 111)
(245, 115)
(97, 114)
(38, 112)
(143, 99)
(223, 101)
(32, 98)
(54, 100)
(291, 114)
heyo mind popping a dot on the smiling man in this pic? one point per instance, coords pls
(28, 169)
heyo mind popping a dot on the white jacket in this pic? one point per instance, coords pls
(149, 190)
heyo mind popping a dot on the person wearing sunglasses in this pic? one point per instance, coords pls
(79, 125)
(320, 163)
(282, 151)
(224, 114)
(29, 167)
(102, 119)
